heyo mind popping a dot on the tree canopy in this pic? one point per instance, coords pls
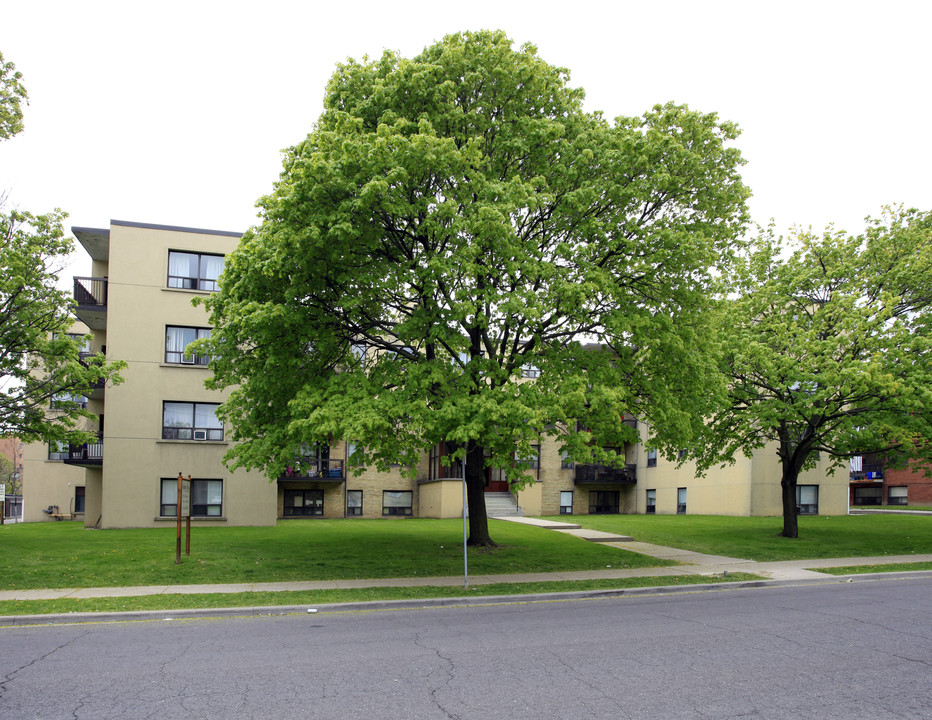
(827, 348)
(12, 98)
(453, 219)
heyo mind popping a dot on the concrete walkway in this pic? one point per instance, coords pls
(691, 563)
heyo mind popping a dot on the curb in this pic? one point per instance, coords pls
(10, 621)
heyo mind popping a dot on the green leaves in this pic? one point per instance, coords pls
(461, 217)
(12, 98)
(40, 364)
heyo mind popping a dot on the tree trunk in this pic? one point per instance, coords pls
(788, 486)
(475, 498)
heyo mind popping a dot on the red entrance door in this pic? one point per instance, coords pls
(495, 480)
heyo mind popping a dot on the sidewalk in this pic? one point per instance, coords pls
(691, 563)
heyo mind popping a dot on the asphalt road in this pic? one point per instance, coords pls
(858, 650)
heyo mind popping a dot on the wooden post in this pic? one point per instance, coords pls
(178, 535)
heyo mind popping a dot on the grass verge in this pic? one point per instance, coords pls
(65, 554)
(883, 567)
(321, 597)
(757, 538)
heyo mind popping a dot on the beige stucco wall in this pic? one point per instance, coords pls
(441, 498)
(47, 482)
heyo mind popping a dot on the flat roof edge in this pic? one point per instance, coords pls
(96, 231)
(175, 228)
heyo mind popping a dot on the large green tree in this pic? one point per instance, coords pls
(827, 348)
(452, 219)
(43, 373)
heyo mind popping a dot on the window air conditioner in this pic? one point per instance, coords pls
(200, 434)
(188, 359)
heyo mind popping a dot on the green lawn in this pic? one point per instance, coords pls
(65, 554)
(321, 597)
(757, 538)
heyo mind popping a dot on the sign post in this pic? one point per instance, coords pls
(2, 502)
(184, 511)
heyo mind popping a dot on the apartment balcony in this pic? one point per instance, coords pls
(605, 475)
(866, 468)
(95, 391)
(313, 469)
(88, 455)
(90, 296)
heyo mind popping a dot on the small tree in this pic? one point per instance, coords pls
(456, 218)
(42, 370)
(828, 348)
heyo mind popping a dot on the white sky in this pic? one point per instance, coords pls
(176, 112)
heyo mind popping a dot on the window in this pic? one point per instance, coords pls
(79, 499)
(532, 459)
(354, 502)
(868, 496)
(58, 450)
(651, 507)
(178, 338)
(681, 455)
(681, 501)
(194, 271)
(897, 496)
(354, 448)
(566, 462)
(65, 399)
(530, 371)
(206, 498)
(396, 502)
(807, 499)
(566, 502)
(603, 502)
(303, 502)
(652, 457)
(191, 421)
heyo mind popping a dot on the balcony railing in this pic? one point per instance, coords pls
(312, 468)
(605, 474)
(90, 296)
(87, 455)
(90, 292)
(83, 358)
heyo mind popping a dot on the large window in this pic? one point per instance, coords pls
(566, 502)
(194, 271)
(868, 496)
(191, 421)
(602, 502)
(652, 457)
(397, 502)
(354, 502)
(651, 507)
(897, 496)
(807, 499)
(206, 498)
(178, 338)
(303, 502)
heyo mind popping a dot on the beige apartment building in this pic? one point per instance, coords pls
(161, 421)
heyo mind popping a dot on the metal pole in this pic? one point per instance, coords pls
(465, 555)
(178, 533)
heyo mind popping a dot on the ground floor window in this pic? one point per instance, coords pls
(651, 506)
(397, 502)
(807, 499)
(603, 502)
(566, 502)
(303, 502)
(868, 495)
(897, 496)
(79, 499)
(681, 501)
(206, 498)
(354, 502)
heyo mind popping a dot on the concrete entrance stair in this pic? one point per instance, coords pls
(502, 504)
